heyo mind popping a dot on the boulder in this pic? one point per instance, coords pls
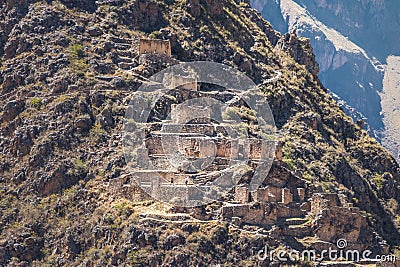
(11, 110)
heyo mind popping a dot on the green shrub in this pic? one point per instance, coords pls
(77, 59)
(378, 181)
(78, 168)
(36, 103)
(77, 50)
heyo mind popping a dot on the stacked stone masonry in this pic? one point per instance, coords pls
(156, 46)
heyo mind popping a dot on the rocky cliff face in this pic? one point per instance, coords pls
(349, 58)
(390, 103)
(372, 24)
(67, 72)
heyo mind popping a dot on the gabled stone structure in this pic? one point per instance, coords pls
(155, 46)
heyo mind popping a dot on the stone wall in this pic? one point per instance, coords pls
(265, 214)
(334, 220)
(189, 146)
(268, 194)
(158, 177)
(287, 196)
(183, 114)
(227, 148)
(262, 195)
(279, 152)
(203, 129)
(154, 145)
(321, 201)
(289, 211)
(260, 149)
(275, 193)
(200, 146)
(242, 194)
(338, 222)
(187, 83)
(161, 47)
(257, 214)
(123, 186)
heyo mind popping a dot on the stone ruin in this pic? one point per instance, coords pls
(264, 206)
(279, 152)
(123, 186)
(297, 199)
(160, 149)
(349, 223)
(183, 82)
(183, 115)
(189, 145)
(155, 46)
(280, 201)
(326, 217)
(198, 146)
(265, 194)
(284, 199)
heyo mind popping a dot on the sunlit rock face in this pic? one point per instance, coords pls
(351, 42)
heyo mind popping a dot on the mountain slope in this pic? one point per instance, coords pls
(390, 105)
(67, 72)
(380, 19)
(354, 78)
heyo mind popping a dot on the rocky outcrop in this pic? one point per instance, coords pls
(89, 6)
(11, 110)
(299, 49)
(147, 16)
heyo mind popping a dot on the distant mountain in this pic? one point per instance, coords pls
(351, 41)
(372, 24)
(391, 106)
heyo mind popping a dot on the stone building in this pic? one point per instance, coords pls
(156, 46)
(269, 194)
